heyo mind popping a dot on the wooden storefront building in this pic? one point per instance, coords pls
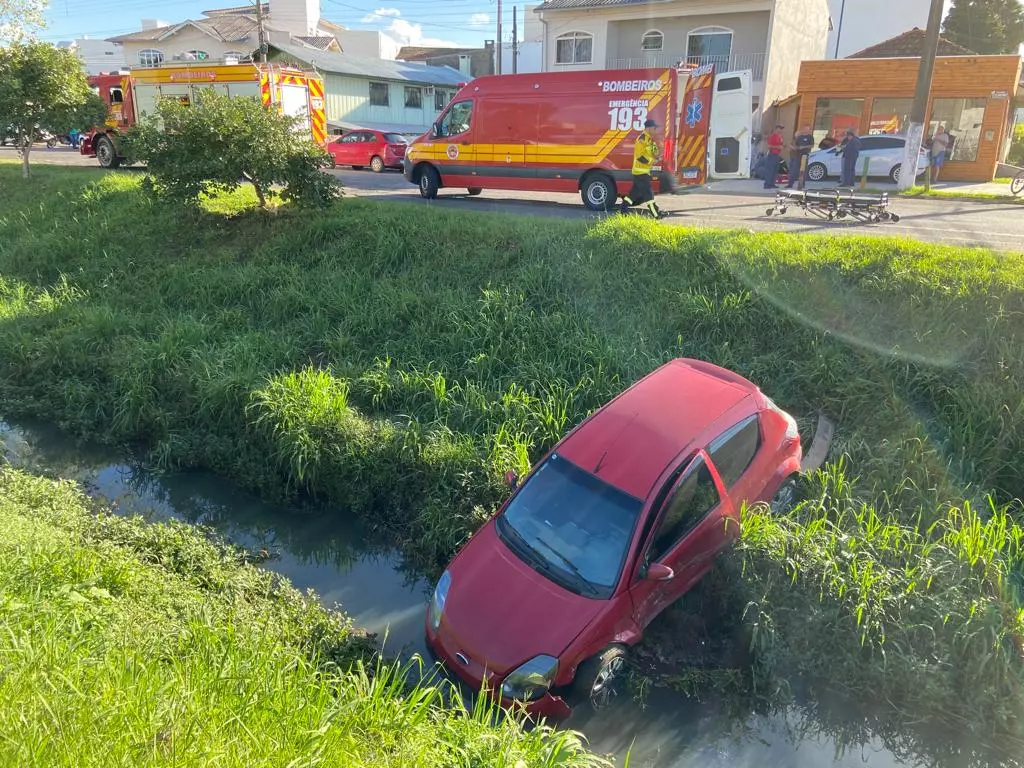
(973, 96)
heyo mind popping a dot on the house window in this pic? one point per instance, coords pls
(574, 48)
(380, 95)
(413, 97)
(709, 45)
(833, 116)
(963, 119)
(235, 55)
(440, 100)
(195, 55)
(150, 57)
(652, 41)
(889, 115)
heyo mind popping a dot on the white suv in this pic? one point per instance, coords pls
(885, 151)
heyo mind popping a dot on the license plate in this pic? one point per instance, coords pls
(655, 167)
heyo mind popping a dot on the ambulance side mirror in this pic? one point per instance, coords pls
(435, 131)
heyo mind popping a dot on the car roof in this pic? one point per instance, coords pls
(632, 440)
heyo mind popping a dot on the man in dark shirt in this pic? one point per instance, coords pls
(799, 150)
(850, 150)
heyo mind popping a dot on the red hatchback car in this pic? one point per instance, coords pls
(620, 519)
(376, 149)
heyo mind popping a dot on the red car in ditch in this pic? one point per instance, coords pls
(619, 520)
(374, 149)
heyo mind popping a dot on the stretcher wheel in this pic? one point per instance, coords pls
(784, 209)
(894, 218)
(831, 215)
(769, 211)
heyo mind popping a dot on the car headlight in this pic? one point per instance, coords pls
(438, 599)
(531, 680)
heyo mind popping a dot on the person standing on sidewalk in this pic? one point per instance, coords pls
(773, 158)
(850, 150)
(645, 155)
(938, 149)
(800, 150)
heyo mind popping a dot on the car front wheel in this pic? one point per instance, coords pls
(817, 172)
(599, 678)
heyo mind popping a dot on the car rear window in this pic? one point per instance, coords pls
(395, 138)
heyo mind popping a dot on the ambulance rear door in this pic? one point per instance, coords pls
(731, 113)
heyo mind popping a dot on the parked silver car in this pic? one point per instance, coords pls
(885, 151)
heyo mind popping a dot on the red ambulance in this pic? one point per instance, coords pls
(574, 132)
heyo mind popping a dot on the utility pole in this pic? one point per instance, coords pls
(915, 132)
(839, 29)
(497, 64)
(262, 32)
(515, 39)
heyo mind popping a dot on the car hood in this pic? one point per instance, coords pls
(500, 612)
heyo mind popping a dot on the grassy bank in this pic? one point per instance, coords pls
(394, 361)
(128, 643)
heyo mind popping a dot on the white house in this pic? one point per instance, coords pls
(859, 24)
(228, 32)
(530, 54)
(768, 37)
(97, 55)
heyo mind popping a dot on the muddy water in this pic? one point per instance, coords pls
(333, 556)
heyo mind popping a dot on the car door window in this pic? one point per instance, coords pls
(457, 119)
(733, 451)
(352, 138)
(693, 499)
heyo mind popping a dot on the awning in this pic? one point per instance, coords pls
(403, 128)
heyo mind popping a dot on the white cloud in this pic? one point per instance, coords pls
(381, 14)
(479, 20)
(406, 33)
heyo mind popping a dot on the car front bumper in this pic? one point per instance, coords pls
(407, 170)
(550, 705)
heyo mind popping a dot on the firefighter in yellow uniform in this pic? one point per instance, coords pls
(645, 155)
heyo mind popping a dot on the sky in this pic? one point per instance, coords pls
(410, 22)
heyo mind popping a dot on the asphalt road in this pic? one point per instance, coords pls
(956, 222)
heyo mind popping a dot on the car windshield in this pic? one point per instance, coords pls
(572, 524)
(395, 138)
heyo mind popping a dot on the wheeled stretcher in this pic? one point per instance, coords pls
(835, 204)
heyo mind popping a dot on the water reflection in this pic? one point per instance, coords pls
(332, 554)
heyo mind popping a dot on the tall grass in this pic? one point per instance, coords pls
(394, 362)
(127, 643)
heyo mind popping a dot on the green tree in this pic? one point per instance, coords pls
(42, 86)
(985, 26)
(20, 19)
(220, 142)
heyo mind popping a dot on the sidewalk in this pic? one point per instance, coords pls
(755, 187)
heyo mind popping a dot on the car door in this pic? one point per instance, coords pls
(346, 149)
(689, 533)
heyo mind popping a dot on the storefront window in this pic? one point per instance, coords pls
(890, 115)
(963, 119)
(833, 116)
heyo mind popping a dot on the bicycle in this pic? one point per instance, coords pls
(1017, 185)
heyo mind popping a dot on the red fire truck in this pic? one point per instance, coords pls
(132, 95)
(574, 132)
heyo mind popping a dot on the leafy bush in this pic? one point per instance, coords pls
(1016, 156)
(219, 142)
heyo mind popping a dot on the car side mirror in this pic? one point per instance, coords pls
(435, 131)
(512, 479)
(659, 572)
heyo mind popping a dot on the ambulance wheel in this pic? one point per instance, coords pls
(429, 183)
(105, 153)
(474, 191)
(598, 192)
(376, 164)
